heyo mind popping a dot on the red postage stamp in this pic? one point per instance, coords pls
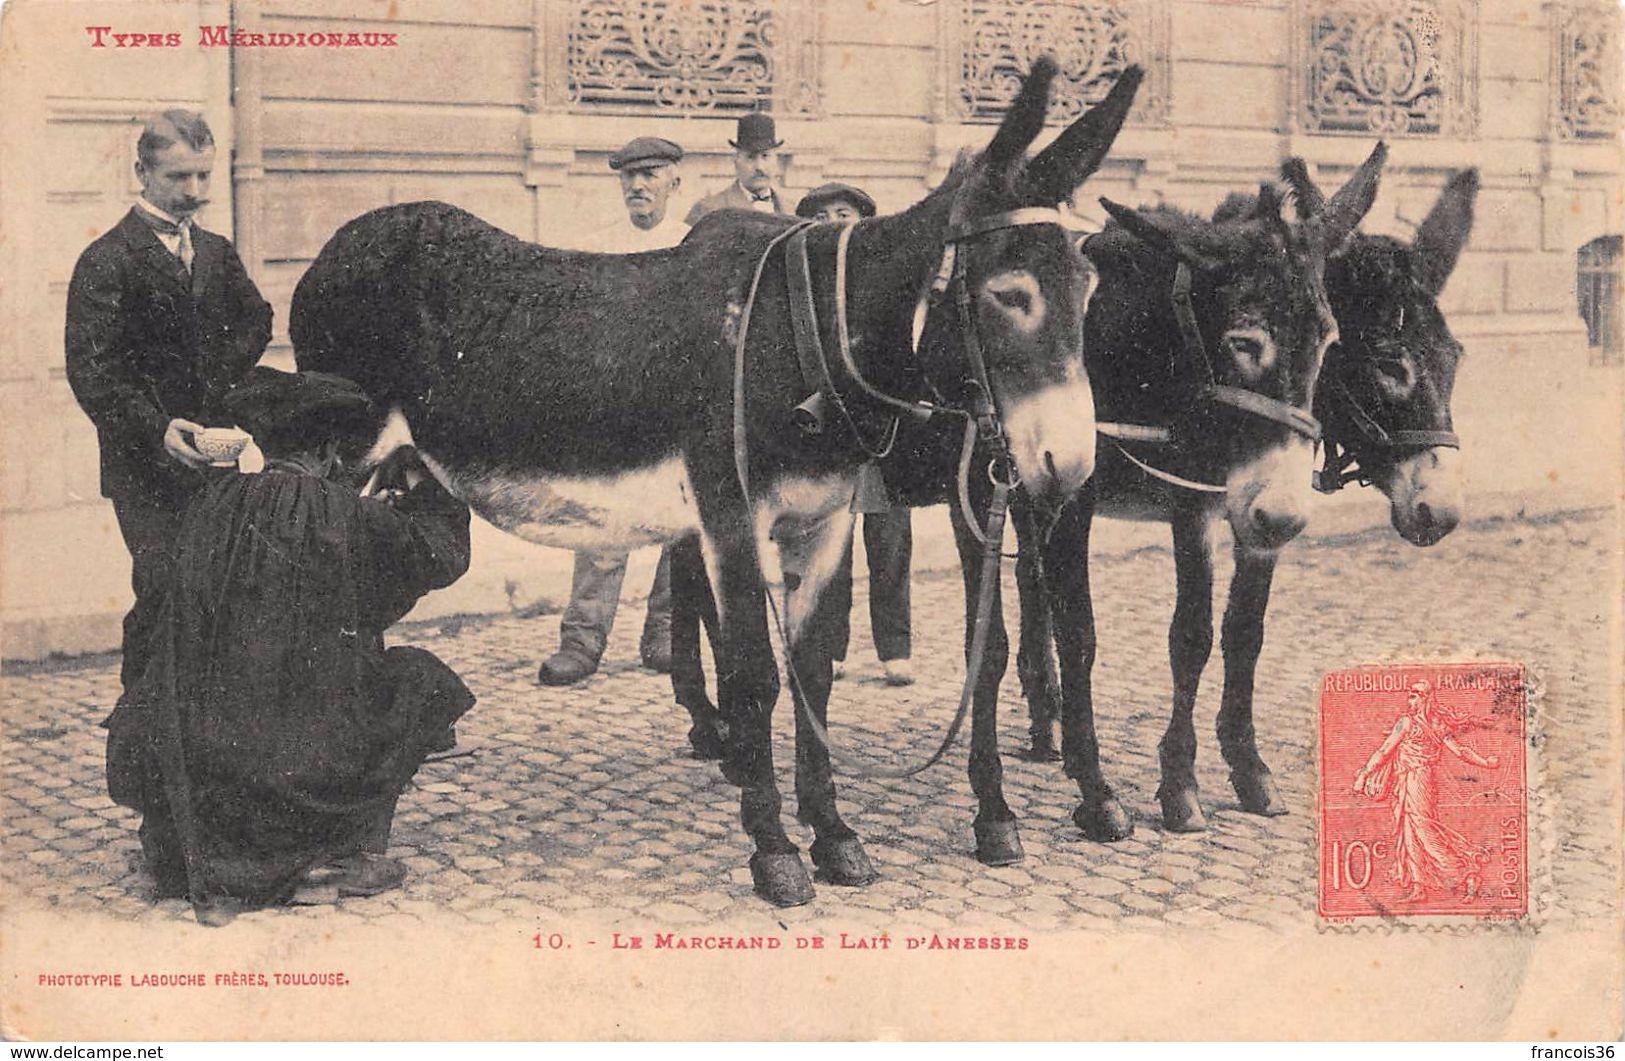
(1423, 808)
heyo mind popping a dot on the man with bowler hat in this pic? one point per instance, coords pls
(755, 169)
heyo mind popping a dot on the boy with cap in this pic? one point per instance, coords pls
(755, 167)
(268, 739)
(647, 166)
(888, 534)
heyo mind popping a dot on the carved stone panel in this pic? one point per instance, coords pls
(679, 57)
(1386, 68)
(988, 47)
(1586, 66)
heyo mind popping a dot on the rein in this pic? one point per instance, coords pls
(981, 420)
(1254, 404)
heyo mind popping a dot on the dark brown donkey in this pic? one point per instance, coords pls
(1384, 399)
(1206, 340)
(585, 400)
(1232, 384)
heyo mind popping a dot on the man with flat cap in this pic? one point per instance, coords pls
(756, 168)
(888, 533)
(267, 741)
(649, 176)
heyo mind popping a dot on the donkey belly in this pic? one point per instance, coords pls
(634, 508)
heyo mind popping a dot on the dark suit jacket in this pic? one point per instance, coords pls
(733, 197)
(147, 343)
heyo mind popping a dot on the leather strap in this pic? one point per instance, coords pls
(1267, 408)
(1168, 477)
(1189, 331)
(1027, 215)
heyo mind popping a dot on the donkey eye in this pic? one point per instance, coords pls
(1246, 346)
(1013, 298)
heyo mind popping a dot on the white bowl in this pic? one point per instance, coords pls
(220, 444)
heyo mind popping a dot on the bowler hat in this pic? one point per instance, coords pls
(646, 151)
(834, 192)
(315, 405)
(756, 133)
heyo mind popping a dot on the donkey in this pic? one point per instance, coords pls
(593, 400)
(1384, 398)
(1211, 335)
(1261, 297)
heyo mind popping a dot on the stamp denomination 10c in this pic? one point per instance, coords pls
(1423, 798)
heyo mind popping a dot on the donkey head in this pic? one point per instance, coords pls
(1025, 286)
(1259, 301)
(1388, 382)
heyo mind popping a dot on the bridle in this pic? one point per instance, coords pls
(980, 412)
(1209, 392)
(1342, 464)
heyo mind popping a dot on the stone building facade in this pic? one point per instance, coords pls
(510, 108)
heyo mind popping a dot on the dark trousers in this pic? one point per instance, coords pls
(149, 524)
(595, 596)
(888, 542)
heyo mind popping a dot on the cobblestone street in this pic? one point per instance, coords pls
(584, 805)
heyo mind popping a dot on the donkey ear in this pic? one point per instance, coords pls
(1161, 238)
(1443, 232)
(1055, 172)
(1305, 192)
(1354, 199)
(1024, 120)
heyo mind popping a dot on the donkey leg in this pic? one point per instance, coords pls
(809, 554)
(998, 839)
(1034, 664)
(1099, 814)
(691, 602)
(1241, 640)
(1190, 641)
(748, 684)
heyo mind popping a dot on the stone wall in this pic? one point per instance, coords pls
(476, 106)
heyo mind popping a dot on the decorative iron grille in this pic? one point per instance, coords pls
(1386, 68)
(693, 57)
(989, 48)
(1586, 67)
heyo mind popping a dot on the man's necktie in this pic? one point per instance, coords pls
(183, 229)
(186, 244)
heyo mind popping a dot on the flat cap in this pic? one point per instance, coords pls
(646, 151)
(825, 194)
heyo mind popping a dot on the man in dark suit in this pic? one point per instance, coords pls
(162, 322)
(756, 167)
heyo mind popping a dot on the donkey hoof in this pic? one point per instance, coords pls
(843, 861)
(1043, 750)
(998, 843)
(1258, 793)
(781, 879)
(1105, 822)
(706, 742)
(1182, 811)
